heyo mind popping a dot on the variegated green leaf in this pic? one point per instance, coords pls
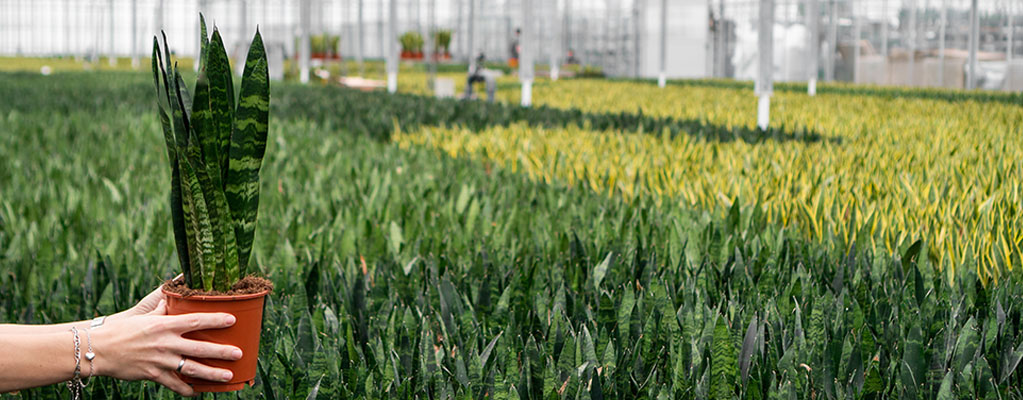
(248, 144)
(218, 70)
(206, 132)
(205, 245)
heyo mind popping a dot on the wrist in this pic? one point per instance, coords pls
(101, 350)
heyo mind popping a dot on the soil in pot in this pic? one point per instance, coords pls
(245, 301)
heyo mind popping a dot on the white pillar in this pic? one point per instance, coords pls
(971, 82)
(857, 33)
(813, 46)
(470, 49)
(392, 47)
(304, 19)
(829, 74)
(431, 41)
(884, 30)
(113, 57)
(941, 43)
(911, 33)
(360, 55)
(638, 7)
(527, 43)
(556, 50)
(662, 77)
(1010, 28)
(722, 41)
(134, 34)
(765, 70)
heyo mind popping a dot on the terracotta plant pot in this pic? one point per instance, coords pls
(244, 334)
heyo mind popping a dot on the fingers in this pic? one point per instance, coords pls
(160, 309)
(198, 370)
(200, 321)
(173, 382)
(199, 349)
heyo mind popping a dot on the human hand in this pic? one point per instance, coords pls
(149, 346)
(146, 305)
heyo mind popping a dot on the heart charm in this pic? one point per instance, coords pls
(90, 355)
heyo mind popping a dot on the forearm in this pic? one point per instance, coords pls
(15, 329)
(36, 360)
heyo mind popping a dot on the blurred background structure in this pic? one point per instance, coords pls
(889, 42)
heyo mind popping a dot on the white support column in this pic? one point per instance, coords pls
(813, 46)
(1009, 27)
(765, 70)
(857, 34)
(722, 42)
(884, 30)
(941, 43)
(912, 35)
(392, 47)
(304, 19)
(361, 54)
(662, 77)
(431, 42)
(110, 20)
(638, 7)
(528, 45)
(829, 74)
(971, 82)
(556, 50)
(470, 48)
(381, 29)
(135, 34)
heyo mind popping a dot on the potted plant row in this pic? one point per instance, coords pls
(411, 46)
(215, 143)
(442, 44)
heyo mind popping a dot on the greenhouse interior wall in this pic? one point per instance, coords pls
(881, 42)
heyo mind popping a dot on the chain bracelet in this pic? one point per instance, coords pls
(75, 384)
(89, 356)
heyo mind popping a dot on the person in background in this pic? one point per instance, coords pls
(571, 57)
(475, 75)
(513, 55)
(141, 343)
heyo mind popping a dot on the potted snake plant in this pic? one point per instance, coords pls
(215, 143)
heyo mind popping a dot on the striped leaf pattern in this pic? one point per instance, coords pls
(204, 40)
(177, 213)
(214, 166)
(205, 131)
(248, 144)
(218, 70)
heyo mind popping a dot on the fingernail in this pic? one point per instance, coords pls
(225, 376)
(229, 320)
(236, 353)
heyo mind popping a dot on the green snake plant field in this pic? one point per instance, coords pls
(432, 249)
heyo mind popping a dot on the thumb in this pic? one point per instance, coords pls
(161, 308)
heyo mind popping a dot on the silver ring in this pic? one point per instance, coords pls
(181, 364)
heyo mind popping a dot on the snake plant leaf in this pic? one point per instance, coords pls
(177, 212)
(749, 344)
(204, 41)
(248, 144)
(200, 223)
(722, 363)
(218, 70)
(946, 392)
(1011, 361)
(206, 132)
(966, 344)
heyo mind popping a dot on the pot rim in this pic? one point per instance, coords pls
(163, 289)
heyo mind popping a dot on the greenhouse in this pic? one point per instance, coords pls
(511, 199)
